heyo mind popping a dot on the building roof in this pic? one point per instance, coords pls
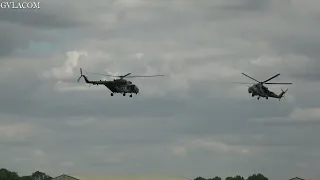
(66, 176)
(296, 178)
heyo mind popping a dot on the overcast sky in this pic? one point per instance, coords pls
(192, 122)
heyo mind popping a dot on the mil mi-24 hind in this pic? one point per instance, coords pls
(121, 85)
(258, 89)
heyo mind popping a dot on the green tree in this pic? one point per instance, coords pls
(199, 178)
(229, 178)
(235, 178)
(238, 178)
(215, 178)
(40, 176)
(25, 178)
(257, 177)
(8, 175)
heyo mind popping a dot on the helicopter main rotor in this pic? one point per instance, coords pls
(125, 76)
(261, 82)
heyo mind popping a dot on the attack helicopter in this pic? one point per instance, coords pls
(258, 89)
(120, 85)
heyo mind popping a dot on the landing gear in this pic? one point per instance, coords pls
(258, 97)
(266, 97)
(124, 94)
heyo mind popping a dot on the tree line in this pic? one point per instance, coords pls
(252, 177)
(9, 175)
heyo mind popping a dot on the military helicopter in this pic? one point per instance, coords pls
(258, 89)
(120, 85)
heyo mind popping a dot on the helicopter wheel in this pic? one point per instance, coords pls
(266, 97)
(124, 94)
(131, 95)
(111, 94)
(258, 97)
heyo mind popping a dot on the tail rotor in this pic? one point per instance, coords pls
(80, 74)
(282, 94)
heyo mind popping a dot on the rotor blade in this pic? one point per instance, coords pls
(242, 83)
(144, 76)
(79, 78)
(125, 75)
(81, 71)
(277, 83)
(251, 77)
(271, 78)
(103, 74)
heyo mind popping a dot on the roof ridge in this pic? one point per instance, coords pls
(296, 178)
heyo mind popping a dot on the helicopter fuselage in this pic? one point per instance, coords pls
(262, 91)
(116, 86)
(120, 85)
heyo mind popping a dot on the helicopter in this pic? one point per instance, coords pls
(258, 89)
(120, 85)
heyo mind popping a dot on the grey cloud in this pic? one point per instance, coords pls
(310, 73)
(307, 99)
(7, 47)
(279, 137)
(186, 42)
(294, 123)
(248, 5)
(310, 76)
(89, 108)
(10, 40)
(14, 37)
(19, 27)
(36, 19)
(304, 44)
(16, 143)
(105, 164)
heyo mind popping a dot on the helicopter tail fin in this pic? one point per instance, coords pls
(80, 74)
(84, 77)
(281, 95)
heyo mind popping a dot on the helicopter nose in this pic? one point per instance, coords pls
(136, 89)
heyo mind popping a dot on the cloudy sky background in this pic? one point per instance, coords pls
(192, 122)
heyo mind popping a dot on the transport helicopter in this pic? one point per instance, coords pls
(120, 85)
